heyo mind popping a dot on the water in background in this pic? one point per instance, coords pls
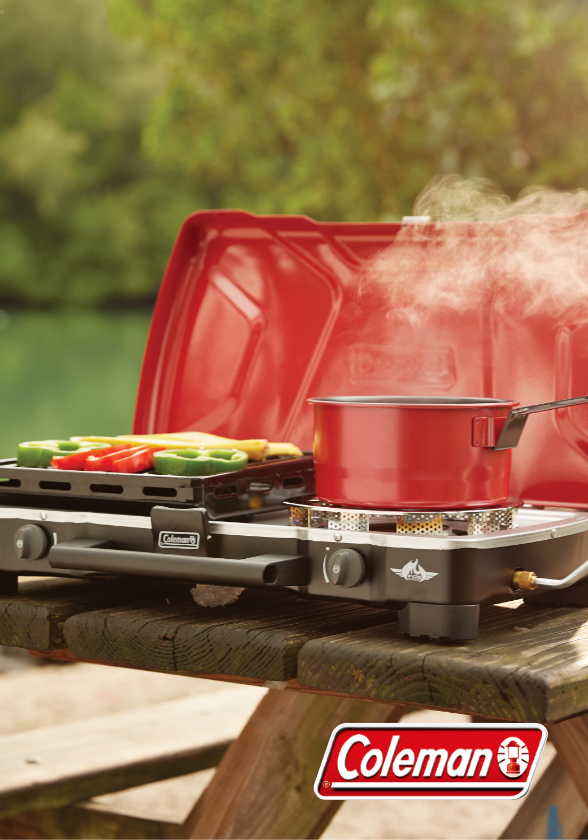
(64, 374)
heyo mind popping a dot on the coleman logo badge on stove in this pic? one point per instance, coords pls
(178, 539)
(414, 571)
(430, 761)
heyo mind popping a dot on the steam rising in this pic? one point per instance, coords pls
(530, 254)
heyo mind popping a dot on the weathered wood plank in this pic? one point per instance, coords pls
(34, 617)
(87, 820)
(76, 761)
(527, 664)
(65, 655)
(259, 636)
(570, 739)
(263, 787)
(553, 808)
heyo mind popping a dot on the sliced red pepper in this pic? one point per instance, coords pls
(136, 460)
(77, 460)
(103, 463)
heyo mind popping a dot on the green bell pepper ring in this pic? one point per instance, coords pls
(199, 461)
(39, 453)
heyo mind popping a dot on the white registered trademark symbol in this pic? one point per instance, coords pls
(326, 784)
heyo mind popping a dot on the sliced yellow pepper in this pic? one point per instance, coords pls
(256, 449)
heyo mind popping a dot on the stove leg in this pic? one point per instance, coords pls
(457, 622)
(8, 583)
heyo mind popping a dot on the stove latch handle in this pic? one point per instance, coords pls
(180, 531)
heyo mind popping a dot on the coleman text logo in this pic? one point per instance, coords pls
(465, 761)
(178, 539)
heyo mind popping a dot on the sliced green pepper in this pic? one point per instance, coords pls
(39, 453)
(199, 461)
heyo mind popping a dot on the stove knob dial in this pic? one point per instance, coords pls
(346, 568)
(30, 542)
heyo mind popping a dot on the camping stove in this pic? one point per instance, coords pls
(254, 316)
(434, 568)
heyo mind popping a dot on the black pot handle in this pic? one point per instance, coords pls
(515, 422)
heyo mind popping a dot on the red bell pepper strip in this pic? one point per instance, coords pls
(126, 459)
(103, 463)
(77, 460)
(135, 460)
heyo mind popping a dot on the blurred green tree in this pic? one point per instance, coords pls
(84, 218)
(345, 110)
(340, 110)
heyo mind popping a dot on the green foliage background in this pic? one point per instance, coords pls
(84, 216)
(118, 119)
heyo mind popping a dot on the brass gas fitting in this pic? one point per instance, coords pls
(524, 580)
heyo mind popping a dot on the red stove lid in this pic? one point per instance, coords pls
(258, 313)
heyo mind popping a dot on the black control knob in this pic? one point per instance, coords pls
(345, 567)
(30, 542)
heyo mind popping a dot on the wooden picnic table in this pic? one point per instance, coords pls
(327, 662)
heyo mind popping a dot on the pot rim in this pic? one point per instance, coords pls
(415, 402)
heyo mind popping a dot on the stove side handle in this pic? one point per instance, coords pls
(265, 570)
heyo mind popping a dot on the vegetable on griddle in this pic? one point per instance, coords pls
(40, 453)
(199, 461)
(77, 460)
(123, 459)
(256, 449)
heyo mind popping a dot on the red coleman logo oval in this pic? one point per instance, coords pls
(434, 761)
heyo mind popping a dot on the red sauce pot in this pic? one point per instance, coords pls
(423, 453)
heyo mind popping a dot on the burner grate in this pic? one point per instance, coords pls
(314, 514)
(488, 522)
(348, 520)
(300, 517)
(308, 517)
(419, 523)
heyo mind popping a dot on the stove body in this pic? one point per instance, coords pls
(427, 566)
(256, 314)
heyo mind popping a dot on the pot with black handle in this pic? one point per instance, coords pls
(418, 453)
